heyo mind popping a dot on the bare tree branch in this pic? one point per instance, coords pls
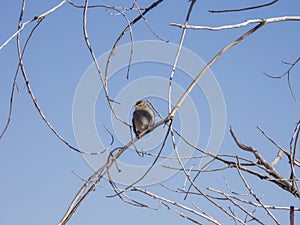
(280, 180)
(36, 18)
(239, 25)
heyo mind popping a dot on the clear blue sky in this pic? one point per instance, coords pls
(36, 179)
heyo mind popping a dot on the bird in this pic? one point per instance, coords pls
(143, 118)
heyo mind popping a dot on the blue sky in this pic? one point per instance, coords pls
(37, 182)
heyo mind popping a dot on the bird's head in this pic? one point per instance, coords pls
(140, 105)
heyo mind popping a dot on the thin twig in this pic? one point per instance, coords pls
(254, 195)
(243, 9)
(14, 84)
(252, 203)
(177, 56)
(288, 73)
(157, 197)
(238, 205)
(147, 23)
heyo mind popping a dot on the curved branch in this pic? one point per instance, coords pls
(203, 71)
(128, 27)
(147, 23)
(244, 9)
(287, 73)
(22, 68)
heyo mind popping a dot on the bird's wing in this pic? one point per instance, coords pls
(133, 126)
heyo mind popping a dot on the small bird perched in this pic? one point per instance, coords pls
(143, 117)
